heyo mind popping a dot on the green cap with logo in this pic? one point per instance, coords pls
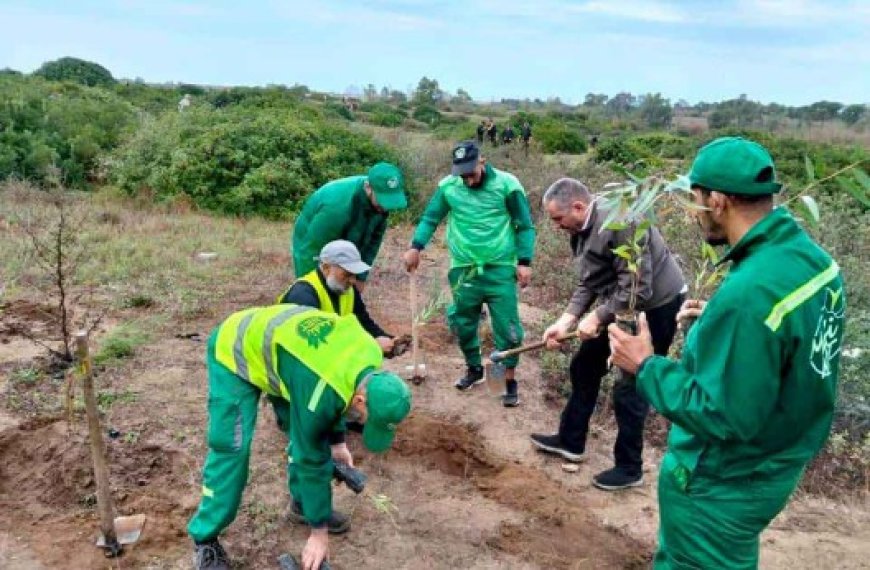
(388, 184)
(388, 400)
(735, 165)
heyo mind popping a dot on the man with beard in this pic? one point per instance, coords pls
(331, 287)
(491, 238)
(752, 399)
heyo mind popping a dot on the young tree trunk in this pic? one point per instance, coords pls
(98, 448)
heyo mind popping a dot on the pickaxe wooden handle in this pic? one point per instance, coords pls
(498, 356)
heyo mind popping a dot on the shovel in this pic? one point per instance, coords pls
(418, 372)
(495, 368)
(127, 530)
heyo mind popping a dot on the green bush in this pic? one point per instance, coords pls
(427, 114)
(242, 160)
(56, 132)
(338, 111)
(556, 137)
(387, 119)
(76, 70)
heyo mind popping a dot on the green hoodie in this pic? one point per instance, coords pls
(754, 393)
(489, 225)
(337, 210)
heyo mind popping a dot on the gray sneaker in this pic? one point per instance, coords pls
(211, 556)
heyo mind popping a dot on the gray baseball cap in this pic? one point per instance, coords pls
(344, 254)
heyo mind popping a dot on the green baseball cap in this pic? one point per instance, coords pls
(735, 165)
(388, 400)
(388, 184)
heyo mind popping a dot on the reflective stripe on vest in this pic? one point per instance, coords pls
(345, 300)
(336, 349)
(245, 345)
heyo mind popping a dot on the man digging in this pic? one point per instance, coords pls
(326, 368)
(605, 276)
(491, 239)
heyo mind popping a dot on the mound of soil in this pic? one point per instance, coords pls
(47, 484)
(557, 531)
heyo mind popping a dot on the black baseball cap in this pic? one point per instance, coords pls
(465, 158)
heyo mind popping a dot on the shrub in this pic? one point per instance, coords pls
(75, 70)
(53, 130)
(558, 137)
(427, 114)
(242, 160)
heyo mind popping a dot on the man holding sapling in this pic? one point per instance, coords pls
(657, 287)
(491, 239)
(752, 399)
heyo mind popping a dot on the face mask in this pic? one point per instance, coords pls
(334, 285)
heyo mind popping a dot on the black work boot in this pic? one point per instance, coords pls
(338, 523)
(617, 478)
(511, 397)
(473, 375)
(210, 555)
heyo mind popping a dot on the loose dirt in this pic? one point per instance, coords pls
(462, 487)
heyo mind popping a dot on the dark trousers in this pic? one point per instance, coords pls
(588, 366)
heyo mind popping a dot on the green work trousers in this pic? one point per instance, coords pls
(232, 417)
(710, 523)
(495, 286)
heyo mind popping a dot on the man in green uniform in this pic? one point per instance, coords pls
(491, 239)
(355, 209)
(326, 368)
(752, 398)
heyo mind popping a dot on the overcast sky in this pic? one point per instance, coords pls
(788, 51)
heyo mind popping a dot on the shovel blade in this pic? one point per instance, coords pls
(495, 370)
(127, 530)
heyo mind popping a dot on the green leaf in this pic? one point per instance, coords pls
(624, 171)
(610, 222)
(852, 188)
(623, 252)
(811, 171)
(641, 230)
(709, 253)
(812, 207)
(643, 203)
(862, 178)
(802, 212)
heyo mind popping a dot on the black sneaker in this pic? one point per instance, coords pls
(338, 523)
(510, 399)
(473, 376)
(210, 555)
(553, 444)
(616, 479)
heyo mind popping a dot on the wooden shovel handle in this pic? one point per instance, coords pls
(534, 346)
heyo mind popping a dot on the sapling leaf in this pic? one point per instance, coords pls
(811, 171)
(812, 208)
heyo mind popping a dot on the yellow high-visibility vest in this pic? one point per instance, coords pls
(337, 349)
(345, 300)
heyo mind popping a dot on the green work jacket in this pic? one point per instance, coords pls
(337, 210)
(489, 225)
(754, 393)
